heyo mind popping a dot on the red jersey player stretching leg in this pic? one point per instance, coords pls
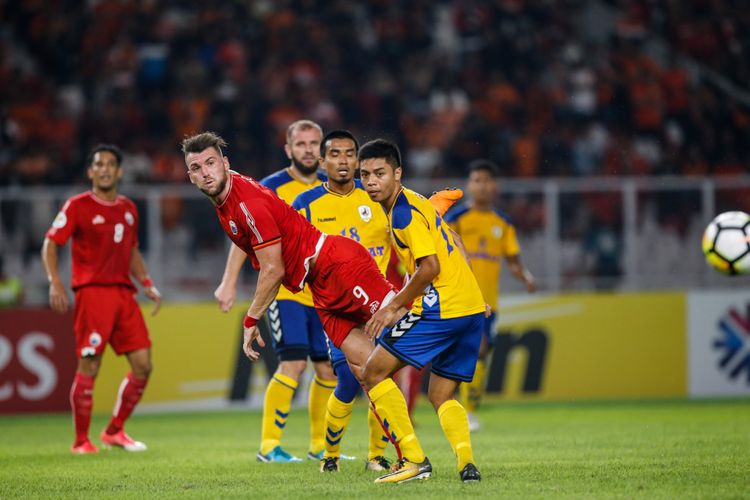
(104, 228)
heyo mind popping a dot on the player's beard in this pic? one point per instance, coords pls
(216, 189)
(304, 168)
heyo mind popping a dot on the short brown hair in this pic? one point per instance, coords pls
(199, 142)
(302, 125)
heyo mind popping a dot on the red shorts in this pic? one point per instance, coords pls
(108, 314)
(347, 287)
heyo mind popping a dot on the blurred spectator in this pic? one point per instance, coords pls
(586, 87)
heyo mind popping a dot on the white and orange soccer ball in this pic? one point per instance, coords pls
(726, 243)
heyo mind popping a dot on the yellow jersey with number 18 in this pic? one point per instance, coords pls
(353, 215)
(418, 231)
(287, 187)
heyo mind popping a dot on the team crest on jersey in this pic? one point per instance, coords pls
(497, 232)
(365, 213)
(98, 219)
(95, 339)
(60, 220)
(129, 218)
(233, 227)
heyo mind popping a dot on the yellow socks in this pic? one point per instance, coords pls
(276, 406)
(337, 418)
(320, 392)
(455, 425)
(378, 439)
(471, 392)
(390, 404)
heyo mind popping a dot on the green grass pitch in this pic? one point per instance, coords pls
(665, 449)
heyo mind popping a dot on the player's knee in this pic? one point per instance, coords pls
(437, 400)
(347, 386)
(292, 368)
(324, 370)
(143, 370)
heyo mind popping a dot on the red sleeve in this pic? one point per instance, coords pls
(262, 226)
(63, 225)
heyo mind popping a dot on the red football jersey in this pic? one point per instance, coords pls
(104, 234)
(254, 217)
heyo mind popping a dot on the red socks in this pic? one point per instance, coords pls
(81, 401)
(128, 396)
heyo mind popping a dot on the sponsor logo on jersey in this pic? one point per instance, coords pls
(98, 219)
(374, 306)
(233, 227)
(365, 213)
(60, 220)
(497, 232)
(129, 218)
(326, 219)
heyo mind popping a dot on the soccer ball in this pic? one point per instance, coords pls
(726, 243)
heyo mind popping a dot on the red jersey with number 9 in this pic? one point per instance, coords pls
(104, 234)
(254, 217)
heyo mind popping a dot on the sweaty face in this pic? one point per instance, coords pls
(104, 171)
(379, 179)
(208, 170)
(303, 149)
(482, 187)
(340, 161)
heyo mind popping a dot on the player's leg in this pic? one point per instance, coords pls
(289, 335)
(95, 312)
(472, 392)
(82, 401)
(339, 410)
(130, 337)
(453, 365)
(321, 387)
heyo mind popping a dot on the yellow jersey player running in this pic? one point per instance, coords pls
(489, 236)
(341, 206)
(296, 330)
(444, 325)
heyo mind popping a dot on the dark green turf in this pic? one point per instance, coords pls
(659, 449)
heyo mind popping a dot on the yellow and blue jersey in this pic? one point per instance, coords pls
(287, 187)
(353, 215)
(418, 231)
(488, 235)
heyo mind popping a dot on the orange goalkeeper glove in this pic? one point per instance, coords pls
(443, 200)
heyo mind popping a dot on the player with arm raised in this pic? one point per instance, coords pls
(104, 228)
(489, 236)
(295, 328)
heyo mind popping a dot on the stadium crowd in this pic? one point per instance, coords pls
(548, 88)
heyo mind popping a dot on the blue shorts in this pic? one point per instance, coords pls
(451, 344)
(487, 332)
(296, 331)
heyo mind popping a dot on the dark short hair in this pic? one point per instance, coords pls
(111, 148)
(199, 142)
(484, 165)
(337, 134)
(381, 148)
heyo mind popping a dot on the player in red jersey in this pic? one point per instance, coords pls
(104, 229)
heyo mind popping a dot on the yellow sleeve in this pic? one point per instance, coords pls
(417, 236)
(510, 244)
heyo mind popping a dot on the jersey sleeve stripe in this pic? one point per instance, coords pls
(267, 243)
(251, 222)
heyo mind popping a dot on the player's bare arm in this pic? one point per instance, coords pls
(521, 272)
(226, 292)
(139, 272)
(269, 280)
(428, 268)
(58, 298)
